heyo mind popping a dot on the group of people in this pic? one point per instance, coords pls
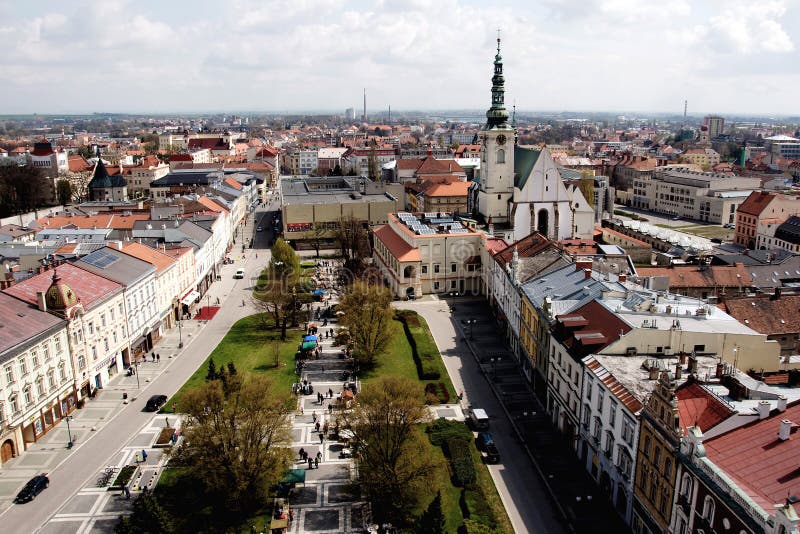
(313, 462)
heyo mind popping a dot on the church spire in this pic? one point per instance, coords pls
(497, 116)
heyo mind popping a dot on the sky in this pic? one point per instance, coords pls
(144, 56)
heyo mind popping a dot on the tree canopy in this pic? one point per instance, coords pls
(236, 439)
(368, 318)
(395, 462)
(285, 261)
(23, 189)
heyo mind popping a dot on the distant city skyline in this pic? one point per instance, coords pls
(285, 56)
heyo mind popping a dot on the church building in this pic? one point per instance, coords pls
(520, 190)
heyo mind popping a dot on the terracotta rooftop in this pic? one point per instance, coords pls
(77, 163)
(699, 407)
(526, 247)
(766, 315)
(452, 189)
(211, 204)
(148, 254)
(762, 465)
(106, 220)
(755, 203)
(692, 276)
(233, 183)
(589, 329)
(20, 322)
(90, 288)
(398, 247)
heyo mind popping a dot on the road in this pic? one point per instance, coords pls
(520, 487)
(92, 454)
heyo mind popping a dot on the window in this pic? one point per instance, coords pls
(624, 461)
(94, 352)
(46, 351)
(34, 358)
(91, 329)
(9, 374)
(23, 367)
(453, 267)
(62, 371)
(436, 267)
(111, 314)
(453, 284)
(599, 400)
(627, 430)
(114, 336)
(436, 286)
(103, 319)
(51, 379)
(589, 387)
(598, 425)
(501, 156)
(58, 344)
(14, 402)
(612, 414)
(657, 456)
(609, 448)
(686, 486)
(40, 386)
(105, 343)
(586, 415)
(27, 396)
(647, 446)
(81, 362)
(424, 269)
(121, 314)
(708, 509)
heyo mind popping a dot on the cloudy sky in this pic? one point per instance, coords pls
(290, 55)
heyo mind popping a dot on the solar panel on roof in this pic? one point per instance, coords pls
(431, 215)
(459, 231)
(100, 259)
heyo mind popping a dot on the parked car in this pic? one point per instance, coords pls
(487, 448)
(730, 225)
(478, 419)
(676, 218)
(259, 229)
(239, 273)
(155, 403)
(34, 487)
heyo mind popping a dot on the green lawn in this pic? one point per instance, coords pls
(250, 348)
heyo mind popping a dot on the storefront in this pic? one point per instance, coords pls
(188, 302)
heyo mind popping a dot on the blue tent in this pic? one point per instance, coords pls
(318, 292)
(310, 338)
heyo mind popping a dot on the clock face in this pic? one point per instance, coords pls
(501, 139)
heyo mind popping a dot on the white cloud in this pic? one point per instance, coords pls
(752, 27)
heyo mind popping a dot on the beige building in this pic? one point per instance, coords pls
(703, 157)
(428, 253)
(308, 204)
(140, 178)
(695, 195)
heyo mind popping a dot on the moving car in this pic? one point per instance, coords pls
(155, 403)
(34, 487)
(259, 229)
(239, 273)
(487, 448)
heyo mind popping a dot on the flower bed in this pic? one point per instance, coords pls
(164, 438)
(125, 476)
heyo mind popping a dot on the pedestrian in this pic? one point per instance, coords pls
(321, 438)
(310, 463)
(126, 492)
(325, 428)
(153, 356)
(158, 357)
(330, 392)
(291, 515)
(330, 408)
(137, 458)
(319, 455)
(314, 416)
(174, 406)
(166, 422)
(316, 426)
(301, 409)
(316, 462)
(144, 455)
(301, 452)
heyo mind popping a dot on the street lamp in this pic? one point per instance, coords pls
(494, 361)
(294, 305)
(180, 335)
(136, 365)
(69, 432)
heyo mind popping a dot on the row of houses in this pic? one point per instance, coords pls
(93, 295)
(667, 400)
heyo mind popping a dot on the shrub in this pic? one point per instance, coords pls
(476, 508)
(444, 395)
(124, 476)
(423, 348)
(458, 449)
(443, 429)
(474, 527)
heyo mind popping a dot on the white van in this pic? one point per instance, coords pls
(478, 419)
(239, 273)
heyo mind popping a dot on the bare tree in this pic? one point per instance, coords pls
(368, 318)
(353, 240)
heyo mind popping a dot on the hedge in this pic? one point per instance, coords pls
(475, 507)
(423, 347)
(458, 450)
(443, 429)
(124, 475)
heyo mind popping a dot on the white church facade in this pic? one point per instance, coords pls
(520, 190)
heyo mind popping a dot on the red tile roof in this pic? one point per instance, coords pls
(590, 329)
(762, 465)
(148, 254)
(117, 222)
(755, 203)
(88, 287)
(398, 247)
(78, 163)
(766, 315)
(692, 276)
(20, 322)
(526, 247)
(452, 189)
(699, 407)
(233, 183)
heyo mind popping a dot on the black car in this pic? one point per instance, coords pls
(155, 403)
(34, 487)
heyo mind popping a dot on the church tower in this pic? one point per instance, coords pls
(497, 153)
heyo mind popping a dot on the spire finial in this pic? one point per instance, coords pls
(498, 40)
(497, 115)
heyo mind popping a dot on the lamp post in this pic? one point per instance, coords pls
(494, 361)
(69, 432)
(136, 365)
(180, 335)
(294, 305)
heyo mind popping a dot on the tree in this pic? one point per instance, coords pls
(318, 232)
(148, 517)
(433, 520)
(368, 318)
(275, 303)
(285, 261)
(395, 461)
(236, 440)
(63, 192)
(212, 370)
(353, 242)
(373, 170)
(23, 189)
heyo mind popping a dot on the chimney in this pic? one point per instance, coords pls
(763, 409)
(41, 301)
(692, 364)
(678, 371)
(781, 403)
(583, 264)
(587, 274)
(653, 373)
(720, 370)
(623, 277)
(785, 430)
(777, 294)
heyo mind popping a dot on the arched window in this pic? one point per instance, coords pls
(501, 156)
(708, 509)
(686, 486)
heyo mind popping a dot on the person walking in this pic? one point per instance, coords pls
(138, 459)
(310, 463)
(158, 357)
(316, 426)
(144, 456)
(314, 416)
(301, 452)
(319, 456)
(316, 462)
(321, 438)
